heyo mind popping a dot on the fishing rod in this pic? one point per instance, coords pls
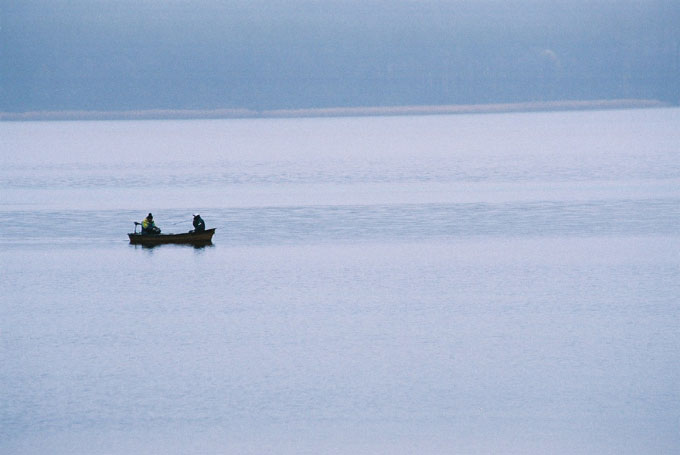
(179, 222)
(137, 223)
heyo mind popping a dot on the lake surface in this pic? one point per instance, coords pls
(504, 283)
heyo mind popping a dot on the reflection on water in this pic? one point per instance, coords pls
(392, 222)
(468, 284)
(196, 246)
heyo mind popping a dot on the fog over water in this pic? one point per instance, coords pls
(499, 283)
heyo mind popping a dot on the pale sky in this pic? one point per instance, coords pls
(268, 54)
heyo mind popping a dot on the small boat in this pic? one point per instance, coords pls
(192, 238)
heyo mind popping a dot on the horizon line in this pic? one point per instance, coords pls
(361, 111)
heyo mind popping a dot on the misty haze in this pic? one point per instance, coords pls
(177, 54)
(256, 227)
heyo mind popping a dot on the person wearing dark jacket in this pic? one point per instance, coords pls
(199, 224)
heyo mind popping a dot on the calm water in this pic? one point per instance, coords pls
(446, 284)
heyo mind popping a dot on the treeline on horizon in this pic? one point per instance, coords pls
(124, 55)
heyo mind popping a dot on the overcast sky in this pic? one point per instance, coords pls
(266, 54)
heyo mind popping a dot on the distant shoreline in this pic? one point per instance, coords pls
(187, 114)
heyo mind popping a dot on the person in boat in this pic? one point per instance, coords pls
(148, 225)
(199, 224)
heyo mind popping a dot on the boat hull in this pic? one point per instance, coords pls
(192, 238)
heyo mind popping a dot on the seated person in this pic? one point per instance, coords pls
(199, 224)
(148, 226)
